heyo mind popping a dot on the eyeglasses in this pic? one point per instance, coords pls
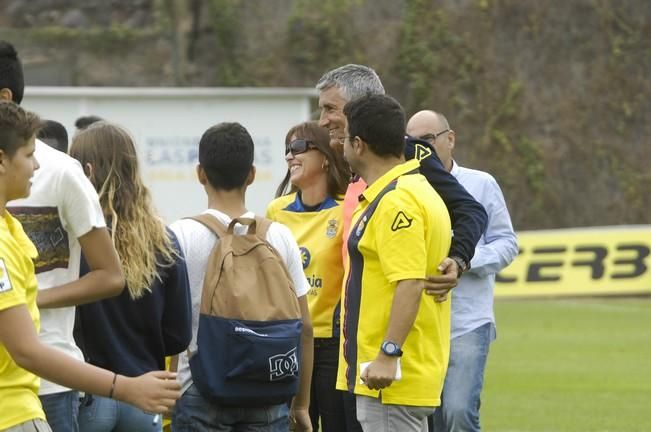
(432, 136)
(299, 146)
(342, 139)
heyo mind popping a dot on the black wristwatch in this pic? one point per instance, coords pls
(462, 265)
(391, 349)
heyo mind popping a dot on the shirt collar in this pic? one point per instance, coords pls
(455, 168)
(226, 219)
(298, 206)
(373, 190)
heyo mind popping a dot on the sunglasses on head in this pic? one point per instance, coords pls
(299, 146)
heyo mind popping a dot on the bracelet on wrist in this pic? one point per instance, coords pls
(115, 377)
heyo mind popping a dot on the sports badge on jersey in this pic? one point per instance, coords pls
(5, 282)
(422, 152)
(306, 257)
(401, 221)
(331, 231)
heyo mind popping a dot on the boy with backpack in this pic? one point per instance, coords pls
(251, 349)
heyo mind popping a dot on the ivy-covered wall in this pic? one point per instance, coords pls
(552, 97)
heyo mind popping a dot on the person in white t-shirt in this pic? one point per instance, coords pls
(63, 218)
(226, 170)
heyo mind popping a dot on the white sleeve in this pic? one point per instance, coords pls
(177, 228)
(81, 211)
(282, 239)
(499, 245)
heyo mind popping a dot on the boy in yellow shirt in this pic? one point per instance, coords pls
(22, 356)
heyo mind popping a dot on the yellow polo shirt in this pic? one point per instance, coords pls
(18, 388)
(318, 233)
(400, 230)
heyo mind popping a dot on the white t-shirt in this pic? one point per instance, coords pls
(62, 206)
(197, 242)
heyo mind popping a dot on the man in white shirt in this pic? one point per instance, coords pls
(226, 170)
(63, 218)
(473, 320)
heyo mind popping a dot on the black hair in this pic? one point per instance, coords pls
(379, 120)
(84, 121)
(17, 126)
(226, 155)
(11, 72)
(54, 134)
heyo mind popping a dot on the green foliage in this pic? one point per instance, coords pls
(424, 42)
(320, 36)
(533, 158)
(102, 39)
(227, 30)
(550, 98)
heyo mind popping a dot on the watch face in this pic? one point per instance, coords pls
(390, 348)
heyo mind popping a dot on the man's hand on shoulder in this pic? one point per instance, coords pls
(439, 285)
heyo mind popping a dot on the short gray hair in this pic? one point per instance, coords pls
(353, 80)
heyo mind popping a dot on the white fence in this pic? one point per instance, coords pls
(167, 123)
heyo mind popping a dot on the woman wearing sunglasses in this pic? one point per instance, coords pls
(309, 203)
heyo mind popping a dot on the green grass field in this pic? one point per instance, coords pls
(570, 365)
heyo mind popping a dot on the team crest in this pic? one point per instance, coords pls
(331, 231)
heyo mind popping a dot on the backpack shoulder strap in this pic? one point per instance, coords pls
(262, 227)
(211, 223)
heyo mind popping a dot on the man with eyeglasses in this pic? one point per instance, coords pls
(350, 82)
(473, 320)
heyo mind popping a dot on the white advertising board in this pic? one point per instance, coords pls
(167, 123)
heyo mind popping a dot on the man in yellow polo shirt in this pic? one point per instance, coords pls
(395, 343)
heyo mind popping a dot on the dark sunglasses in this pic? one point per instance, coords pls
(299, 146)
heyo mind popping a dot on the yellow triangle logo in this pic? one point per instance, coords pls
(401, 221)
(422, 152)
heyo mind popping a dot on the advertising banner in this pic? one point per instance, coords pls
(582, 261)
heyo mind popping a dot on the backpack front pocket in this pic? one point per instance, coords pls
(236, 356)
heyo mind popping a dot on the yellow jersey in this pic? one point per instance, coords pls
(318, 233)
(19, 400)
(400, 230)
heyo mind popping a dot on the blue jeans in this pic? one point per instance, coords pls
(61, 410)
(460, 401)
(326, 402)
(194, 413)
(100, 414)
